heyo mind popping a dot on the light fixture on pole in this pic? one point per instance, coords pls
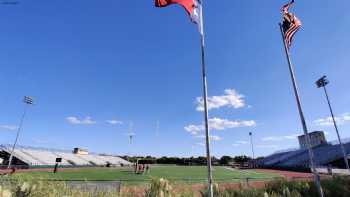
(322, 83)
(28, 101)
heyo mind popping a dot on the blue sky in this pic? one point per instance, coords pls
(89, 62)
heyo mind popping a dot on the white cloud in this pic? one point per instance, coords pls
(114, 122)
(346, 117)
(76, 121)
(280, 138)
(239, 143)
(219, 125)
(231, 98)
(212, 137)
(325, 121)
(291, 137)
(222, 124)
(272, 138)
(8, 127)
(328, 121)
(194, 129)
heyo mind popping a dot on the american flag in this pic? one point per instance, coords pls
(291, 24)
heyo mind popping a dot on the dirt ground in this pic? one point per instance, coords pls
(290, 175)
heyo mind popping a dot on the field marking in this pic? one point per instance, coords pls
(235, 170)
(247, 173)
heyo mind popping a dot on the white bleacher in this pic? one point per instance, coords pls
(75, 159)
(38, 157)
(114, 160)
(25, 157)
(323, 155)
(94, 159)
(47, 157)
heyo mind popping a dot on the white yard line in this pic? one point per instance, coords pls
(241, 171)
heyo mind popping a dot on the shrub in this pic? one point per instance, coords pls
(159, 188)
(38, 188)
(286, 188)
(336, 187)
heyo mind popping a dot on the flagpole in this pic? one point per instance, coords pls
(301, 114)
(205, 99)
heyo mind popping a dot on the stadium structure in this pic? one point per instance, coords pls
(326, 155)
(29, 157)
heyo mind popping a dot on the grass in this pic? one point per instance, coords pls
(194, 174)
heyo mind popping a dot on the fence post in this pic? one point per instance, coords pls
(120, 187)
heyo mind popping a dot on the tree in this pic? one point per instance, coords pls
(242, 159)
(225, 160)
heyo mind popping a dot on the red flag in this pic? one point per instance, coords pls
(187, 4)
(192, 7)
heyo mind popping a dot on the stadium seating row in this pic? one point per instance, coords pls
(36, 157)
(324, 154)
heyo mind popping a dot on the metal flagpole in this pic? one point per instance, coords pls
(205, 95)
(301, 114)
(302, 118)
(322, 83)
(28, 101)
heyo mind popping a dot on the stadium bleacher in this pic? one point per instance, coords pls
(44, 157)
(299, 159)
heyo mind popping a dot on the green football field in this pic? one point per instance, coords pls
(194, 174)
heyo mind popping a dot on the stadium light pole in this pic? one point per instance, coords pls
(322, 83)
(131, 135)
(252, 144)
(28, 101)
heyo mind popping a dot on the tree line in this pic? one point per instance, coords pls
(224, 160)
